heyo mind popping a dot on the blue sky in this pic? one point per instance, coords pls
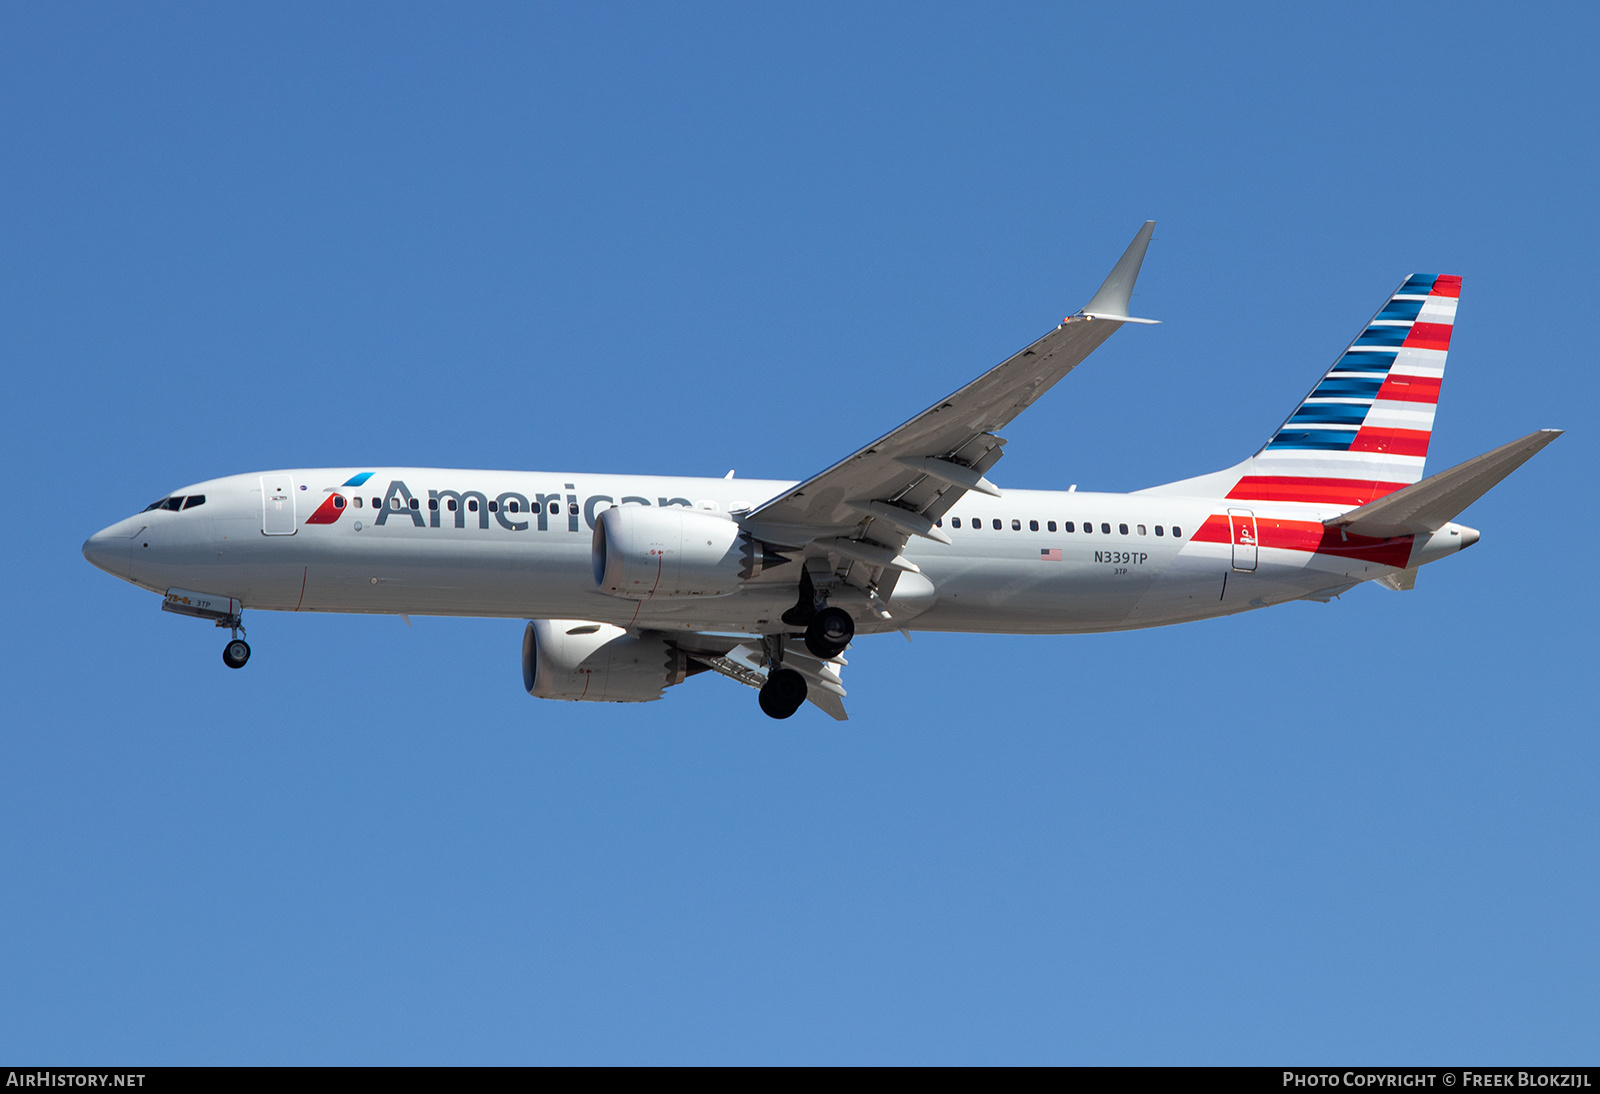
(678, 240)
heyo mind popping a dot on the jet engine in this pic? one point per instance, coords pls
(645, 553)
(580, 660)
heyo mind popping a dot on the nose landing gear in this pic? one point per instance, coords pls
(224, 611)
(236, 653)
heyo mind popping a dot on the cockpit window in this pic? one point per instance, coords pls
(176, 502)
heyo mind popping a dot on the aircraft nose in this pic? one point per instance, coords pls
(110, 551)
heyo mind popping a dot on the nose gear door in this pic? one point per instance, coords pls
(1242, 528)
(277, 505)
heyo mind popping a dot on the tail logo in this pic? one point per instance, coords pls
(1380, 394)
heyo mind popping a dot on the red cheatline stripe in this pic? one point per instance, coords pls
(1428, 336)
(1395, 442)
(1311, 536)
(1446, 285)
(1325, 491)
(1410, 389)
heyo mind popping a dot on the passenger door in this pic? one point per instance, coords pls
(1242, 529)
(277, 505)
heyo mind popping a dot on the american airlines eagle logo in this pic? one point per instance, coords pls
(333, 506)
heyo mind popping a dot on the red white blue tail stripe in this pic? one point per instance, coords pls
(1363, 431)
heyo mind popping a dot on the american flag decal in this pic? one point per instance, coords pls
(1049, 554)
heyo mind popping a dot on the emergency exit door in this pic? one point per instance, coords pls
(1242, 529)
(277, 505)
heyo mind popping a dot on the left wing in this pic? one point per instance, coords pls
(865, 508)
(747, 661)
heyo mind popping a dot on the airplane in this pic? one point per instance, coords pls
(633, 583)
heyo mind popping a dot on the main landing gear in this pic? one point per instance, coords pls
(783, 693)
(785, 689)
(830, 631)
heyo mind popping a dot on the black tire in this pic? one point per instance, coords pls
(783, 693)
(236, 653)
(830, 632)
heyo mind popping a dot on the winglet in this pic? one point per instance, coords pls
(1111, 302)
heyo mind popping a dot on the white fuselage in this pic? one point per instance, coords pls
(1165, 559)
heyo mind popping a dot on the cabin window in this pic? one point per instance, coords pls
(472, 505)
(955, 522)
(1050, 524)
(998, 525)
(494, 507)
(433, 504)
(357, 501)
(377, 503)
(338, 502)
(977, 523)
(1141, 529)
(572, 508)
(1033, 526)
(450, 503)
(1176, 531)
(415, 504)
(1122, 529)
(939, 523)
(200, 499)
(1016, 526)
(1067, 526)
(1105, 529)
(1159, 532)
(555, 507)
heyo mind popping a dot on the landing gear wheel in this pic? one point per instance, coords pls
(236, 653)
(783, 693)
(830, 632)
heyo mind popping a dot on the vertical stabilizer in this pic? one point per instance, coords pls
(1363, 431)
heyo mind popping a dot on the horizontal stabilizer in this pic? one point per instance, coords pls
(1332, 592)
(1432, 503)
(1401, 581)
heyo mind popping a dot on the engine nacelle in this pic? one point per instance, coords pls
(646, 553)
(577, 659)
